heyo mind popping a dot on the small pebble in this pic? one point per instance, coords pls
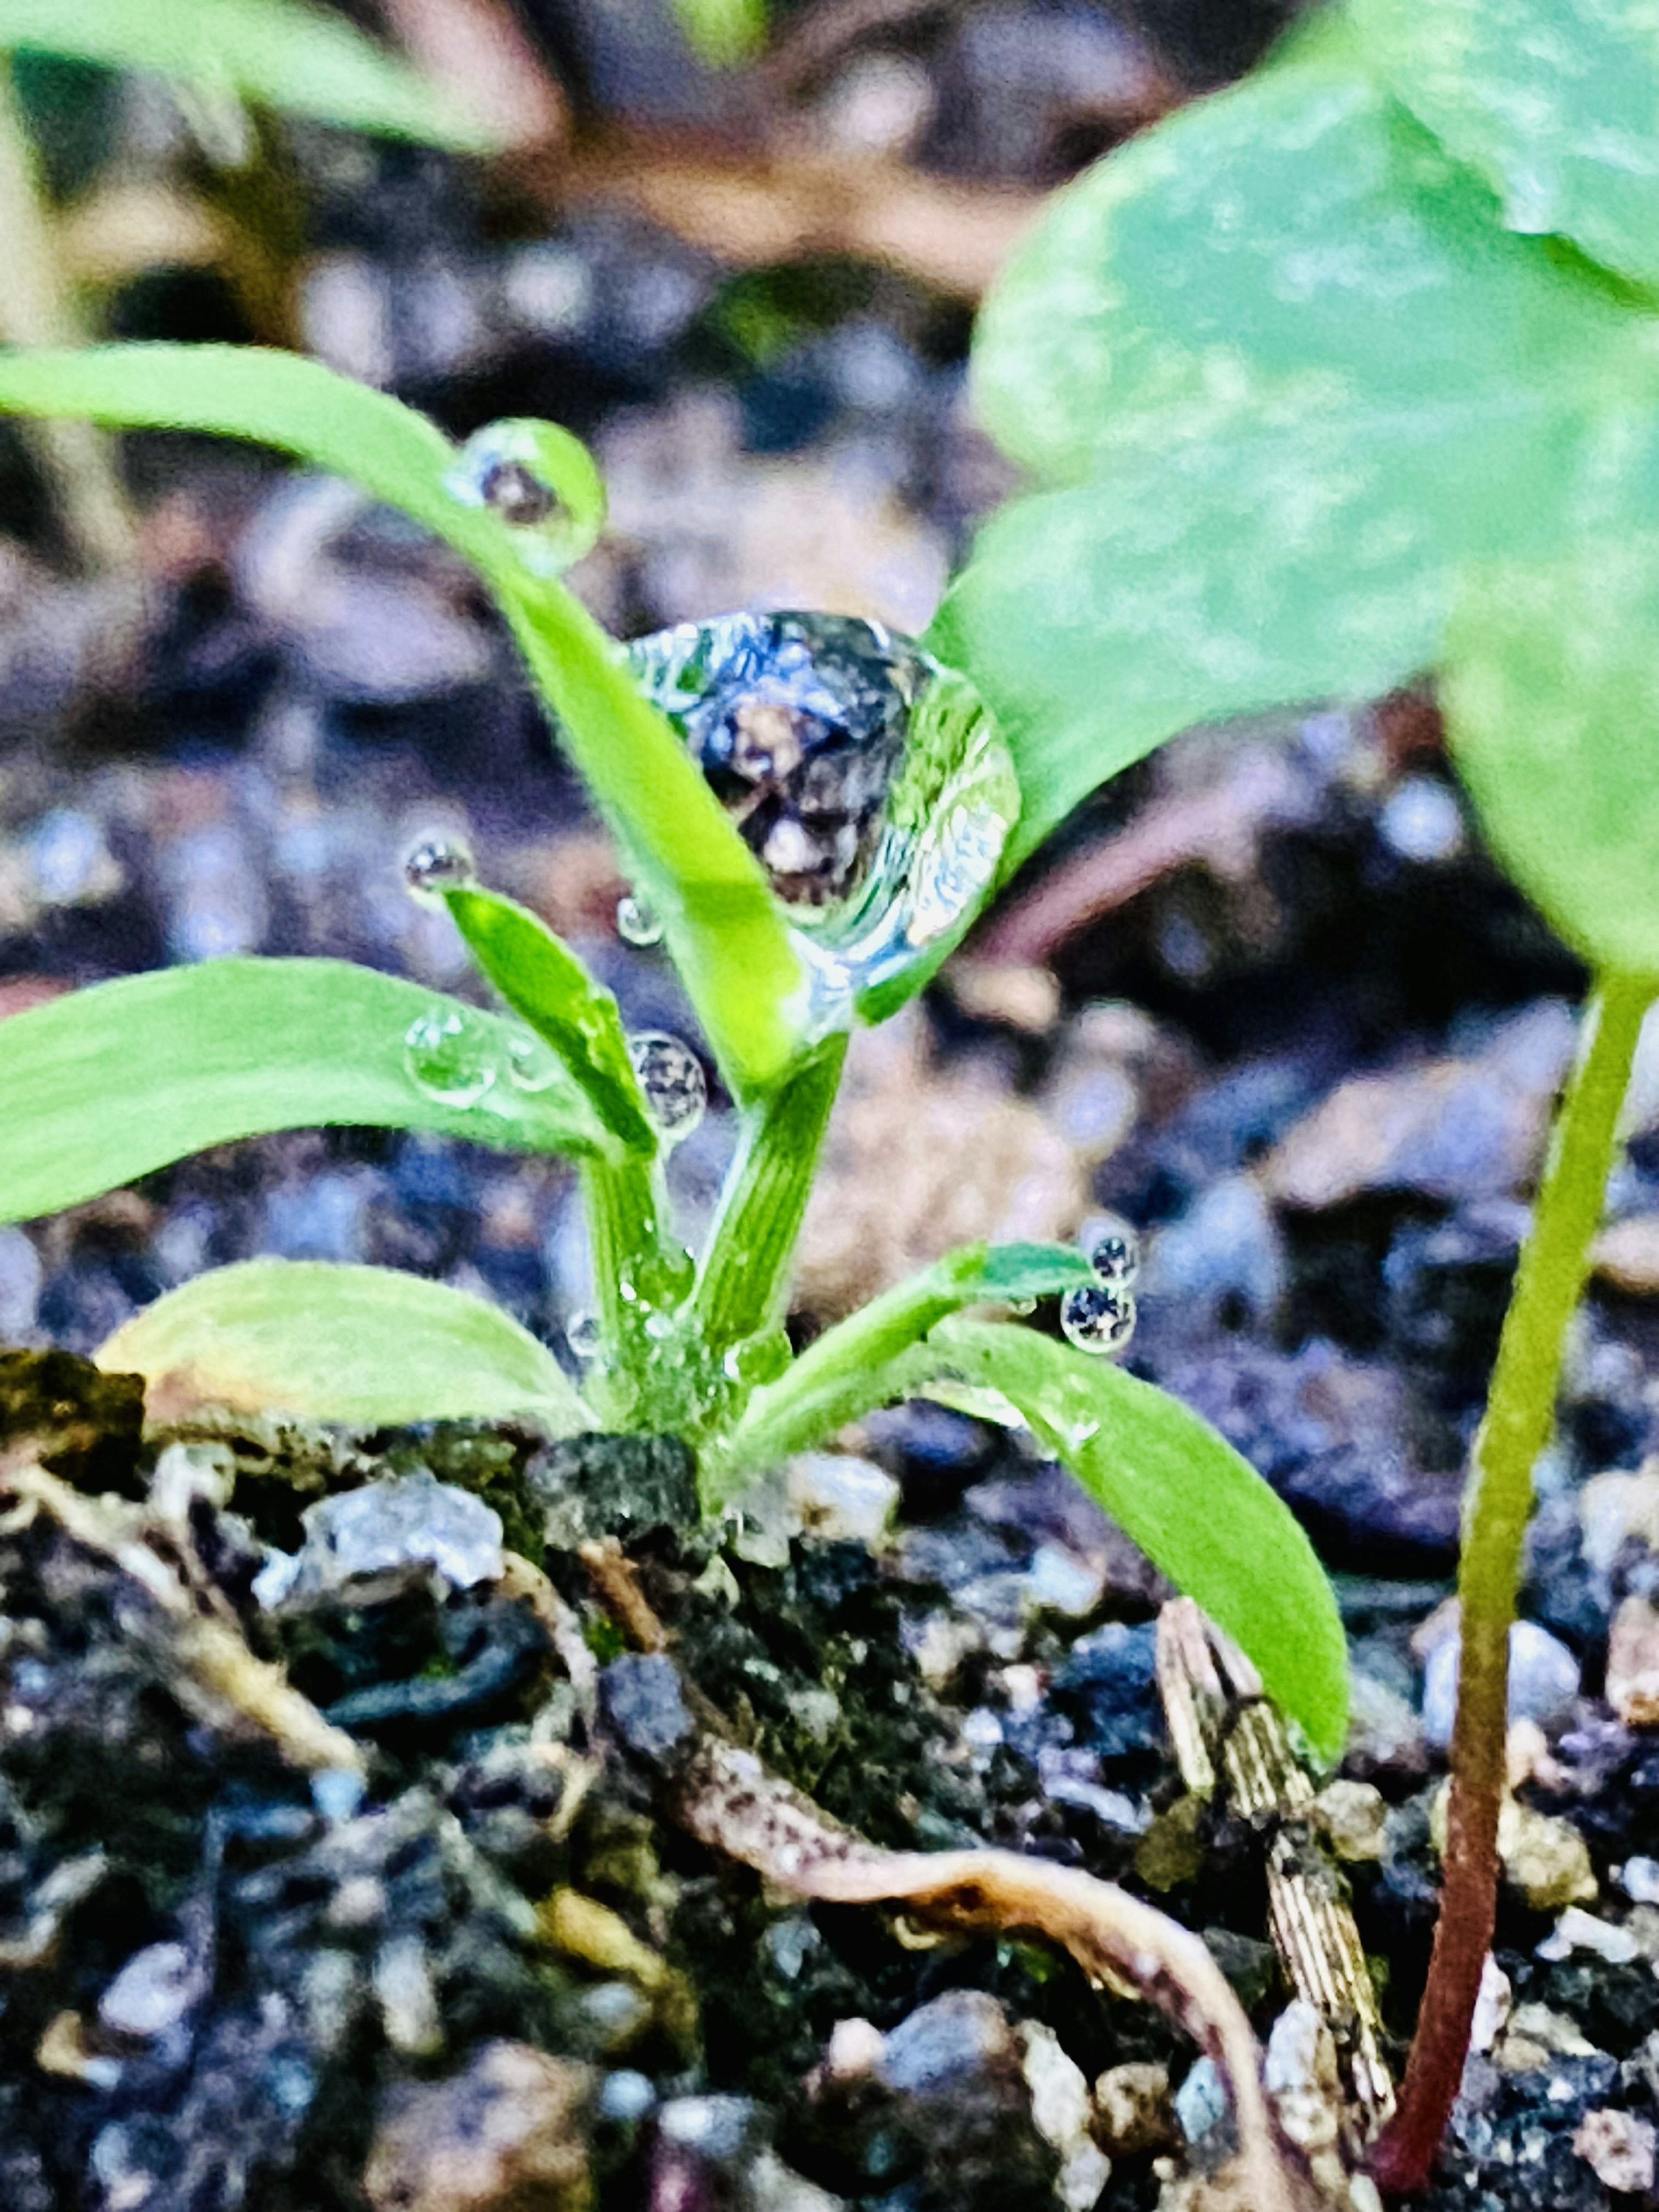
(1620, 2148)
(152, 1993)
(1354, 1815)
(1577, 1930)
(1544, 1681)
(1640, 1881)
(1134, 2113)
(1634, 1663)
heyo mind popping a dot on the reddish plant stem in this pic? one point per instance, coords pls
(1520, 1414)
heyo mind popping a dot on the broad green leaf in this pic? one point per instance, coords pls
(107, 1084)
(365, 1346)
(725, 930)
(870, 1359)
(1551, 692)
(546, 984)
(1555, 103)
(282, 53)
(1198, 1511)
(1290, 372)
(1252, 568)
(1297, 250)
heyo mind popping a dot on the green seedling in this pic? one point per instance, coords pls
(785, 932)
(1344, 375)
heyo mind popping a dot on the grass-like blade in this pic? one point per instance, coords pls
(726, 932)
(1198, 1511)
(281, 53)
(546, 984)
(107, 1084)
(363, 1346)
(868, 1359)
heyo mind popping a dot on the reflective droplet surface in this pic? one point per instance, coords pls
(1097, 1318)
(870, 783)
(437, 864)
(671, 1076)
(449, 1053)
(1114, 1255)
(581, 1333)
(542, 484)
(636, 924)
(759, 1359)
(531, 1064)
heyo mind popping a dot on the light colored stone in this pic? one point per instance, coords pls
(507, 2132)
(1615, 1506)
(1547, 1860)
(1640, 1879)
(1492, 2005)
(1544, 1681)
(1577, 1930)
(1354, 1816)
(837, 1495)
(1620, 2148)
(1634, 1663)
(1533, 2036)
(1134, 2113)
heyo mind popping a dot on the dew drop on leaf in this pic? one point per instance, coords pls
(1114, 1255)
(869, 781)
(758, 1359)
(1097, 1318)
(532, 1066)
(437, 864)
(637, 923)
(449, 1053)
(581, 1333)
(541, 481)
(671, 1078)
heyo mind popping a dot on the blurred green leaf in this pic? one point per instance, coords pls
(1198, 1511)
(723, 32)
(546, 984)
(1555, 103)
(107, 1084)
(305, 60)
(1550, 693)
(1290, 371)
(726, 933)
(365, 1346)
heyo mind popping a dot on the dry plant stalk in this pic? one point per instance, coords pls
(731, 1802)
(1218, 1717)
(215, 1676)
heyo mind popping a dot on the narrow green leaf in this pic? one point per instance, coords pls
(305, 60)
(1555, 103)
(1198, 1511)
(366, 1346)
(546, 984)
(109, 1083)
(1552, 700)
(725, 931)
(1295, 245)
(870, 1357)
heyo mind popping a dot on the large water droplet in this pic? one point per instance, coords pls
(757, 1359)
(1097, 1318)
(671, 1076)
(542, 482)
(637, 924)
(437, 864)
(870, 783)
(1114, 1254)
(449, 1053)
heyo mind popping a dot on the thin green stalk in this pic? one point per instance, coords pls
(740, 1290)
(623, 1201)
(1520, 1415)
(36, 309)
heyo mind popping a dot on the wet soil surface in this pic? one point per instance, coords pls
(1303, 1038)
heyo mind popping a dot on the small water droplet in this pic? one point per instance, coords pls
(758, 1359)
(581, 1333)
(636, 924)
(1097, 1318)
(667, 1277)
(1114, 1255)
(437, 864)
(449, 1052)
(659, 1326)
(531, 1064)
(517, 495)
(671, 1076)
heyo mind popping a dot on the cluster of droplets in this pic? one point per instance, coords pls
(457, 1057)
(1100, 1316)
